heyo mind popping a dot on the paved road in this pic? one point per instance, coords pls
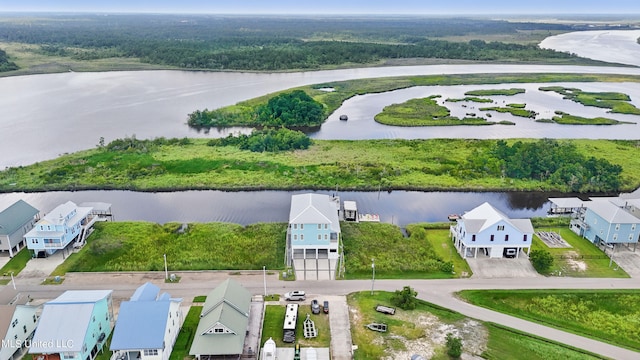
(439, 292)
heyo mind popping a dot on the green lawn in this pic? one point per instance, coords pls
(577, 267)
(17, 263)
(612, 316)
(274, 319)
(140, 246)
(185, 337)
(396, 256)
(428, 322)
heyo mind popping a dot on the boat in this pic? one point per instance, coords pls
(377, 327)
(269, 350)
(344, 117)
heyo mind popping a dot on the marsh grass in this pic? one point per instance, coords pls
(140, 246)
(423, 112)
(610, 316)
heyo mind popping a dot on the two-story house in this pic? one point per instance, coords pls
(15, 222)
(59, 228)
(74, 326)
(314, 227)
(17, 323)
(604, 223)
(224, 323)
(490, 231)
(147, 326)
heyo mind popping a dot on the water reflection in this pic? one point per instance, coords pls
(247, 207)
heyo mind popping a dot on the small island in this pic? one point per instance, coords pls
(496, 92)
(568, 119)
(423, 112)
(614, 101)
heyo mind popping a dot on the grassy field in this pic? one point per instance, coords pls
(274, 318)
(606, 315)
(428, 324)
(420, 256)
(371, 164)
(185, 337)
(582, 259)
(17, 263)
(140, 246)
(423, 112)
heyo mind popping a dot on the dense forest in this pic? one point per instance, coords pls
(268, 43)
(5, 64)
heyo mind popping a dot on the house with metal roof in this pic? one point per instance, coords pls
(147, 326)
(224, 322)
(487, 230)
(314, 227)
(17, 323)
(74, 326)
(606, 223)
(15, 221)
(65, 224)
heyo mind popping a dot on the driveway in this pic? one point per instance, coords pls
(487, 268)
(315, 269)
(628, 260)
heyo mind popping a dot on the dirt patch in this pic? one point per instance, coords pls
(573, 263)
(433, 334)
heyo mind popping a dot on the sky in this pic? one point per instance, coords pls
(346, 7)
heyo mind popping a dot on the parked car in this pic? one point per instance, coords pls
(510, 252)
(325, 307)
(297, 295)
(315, 306)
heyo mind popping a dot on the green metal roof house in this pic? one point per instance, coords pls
(15, 222)
(223, 322)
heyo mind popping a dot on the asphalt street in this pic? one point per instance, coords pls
(439, 292)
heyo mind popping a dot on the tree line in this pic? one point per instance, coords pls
(269, 43)
(549, 160)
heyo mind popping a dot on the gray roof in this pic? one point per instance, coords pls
(485, 216)
(314, 209)
(15, 216)
(612, 213)
(227, 305)
(567, 203)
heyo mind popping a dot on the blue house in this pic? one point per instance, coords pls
(59, 228)
(74, 326)
(148, 325)
(488, 230)
(17, 323)
(314, 227)
(15, 222)
(606, 223)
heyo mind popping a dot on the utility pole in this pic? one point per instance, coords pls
(166, 272)
(373, 274)
(13, 281)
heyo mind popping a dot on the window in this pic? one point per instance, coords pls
(617, 227)
(524, 238)
(34, 318)
(319, 226)
(151, 352)
(326, 226)
(473, 237)
(295, 237)
(615, 237)
(295, 226)
(506, 237)
(492, 236)
(500, 227)
(326, 237)
(319, 237)
(630, 237)
(14, 323)
(218, 330)
(633, 227)
(301, 236)
(301, 226)
(24, 328)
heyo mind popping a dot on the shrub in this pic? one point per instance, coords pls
(541, 260)
(454, 346)
(405, 298)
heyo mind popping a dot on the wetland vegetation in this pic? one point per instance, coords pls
(423, 112)
(614, 101)
(606, 315)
